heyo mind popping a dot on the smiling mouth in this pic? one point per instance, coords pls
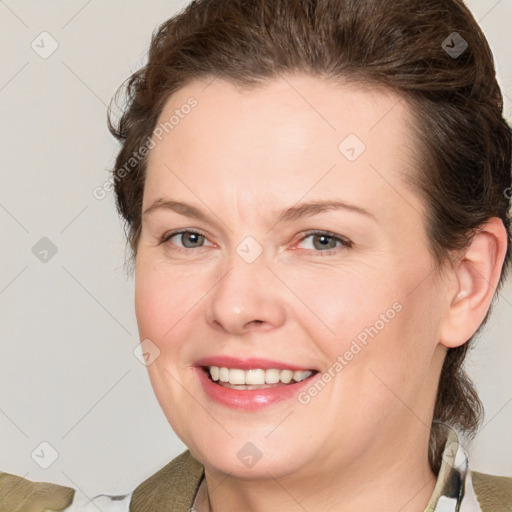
(258, 378)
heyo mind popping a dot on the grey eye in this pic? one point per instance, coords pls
(190, 239)
(324, 242)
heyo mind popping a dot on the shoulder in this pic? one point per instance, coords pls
(172, 488)
(17, 492)
(23, 495)
(493, 492)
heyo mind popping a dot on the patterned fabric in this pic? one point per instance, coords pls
(454, 489)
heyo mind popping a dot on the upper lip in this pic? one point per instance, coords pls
(248, 364)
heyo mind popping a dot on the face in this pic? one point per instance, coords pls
(252, 275)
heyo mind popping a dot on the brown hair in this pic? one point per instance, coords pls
(463, 157)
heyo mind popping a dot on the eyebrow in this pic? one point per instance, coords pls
(315, 207)
(290, 214)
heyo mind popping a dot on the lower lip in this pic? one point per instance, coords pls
(250, 399)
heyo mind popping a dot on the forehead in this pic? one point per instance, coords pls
(292, 135)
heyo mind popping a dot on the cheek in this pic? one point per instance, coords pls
(342, 305)
(164, 303)
(151, 303)
(163, 297)
(395, 364)
(381, 323)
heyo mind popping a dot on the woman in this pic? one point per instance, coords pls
(316, 201)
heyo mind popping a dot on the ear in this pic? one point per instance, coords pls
(475, 277)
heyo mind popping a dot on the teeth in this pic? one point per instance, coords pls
(252, 376)
(286, 376)
(272, 376)
(214, 372)
(236, 376)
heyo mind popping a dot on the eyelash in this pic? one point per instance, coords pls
(345, 243)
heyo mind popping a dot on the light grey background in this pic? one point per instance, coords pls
(68, 373)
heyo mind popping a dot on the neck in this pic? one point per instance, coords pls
(400, 479)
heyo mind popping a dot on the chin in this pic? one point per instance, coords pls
(247, 460)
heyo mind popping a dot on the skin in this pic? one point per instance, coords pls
(241, 155)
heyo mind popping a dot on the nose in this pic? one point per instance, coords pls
(246, 298)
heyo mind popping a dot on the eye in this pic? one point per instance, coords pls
(322, 241)
(189, 239)
(325, 241)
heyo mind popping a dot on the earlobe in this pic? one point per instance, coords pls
(475, 276)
